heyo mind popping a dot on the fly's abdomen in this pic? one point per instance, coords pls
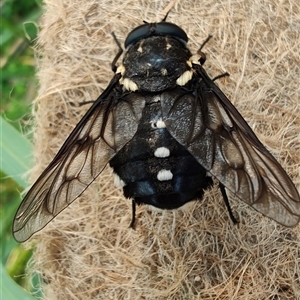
(153, 168)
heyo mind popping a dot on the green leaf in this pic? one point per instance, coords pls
(16, 159)
(9, 289)
(18, 86)
(16, 153)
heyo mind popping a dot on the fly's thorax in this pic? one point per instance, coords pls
(155, 64)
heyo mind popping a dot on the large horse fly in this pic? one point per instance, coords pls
(167, 131)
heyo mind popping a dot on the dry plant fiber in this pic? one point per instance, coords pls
(88, 251)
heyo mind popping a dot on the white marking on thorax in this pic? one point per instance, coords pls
(121, 69)
(164, 72)
(140, 48)
(194, 59)
(164, 175)
(185, 77)
(162, 152)
(128, 84)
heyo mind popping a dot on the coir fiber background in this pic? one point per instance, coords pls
(88, 251)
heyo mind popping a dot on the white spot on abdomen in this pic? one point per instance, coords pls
(162, 152)
(158, 124)
(164, 175)
(118, 182)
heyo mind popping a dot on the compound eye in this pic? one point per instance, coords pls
(137, 34)
(150, 29)
(165, 28)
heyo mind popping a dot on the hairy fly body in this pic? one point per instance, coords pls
(166, 129)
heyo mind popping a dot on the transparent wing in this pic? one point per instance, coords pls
(224, 144)
(107, 126)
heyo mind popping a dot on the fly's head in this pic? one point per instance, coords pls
(157, 58)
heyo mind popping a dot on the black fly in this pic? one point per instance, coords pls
(166, 129)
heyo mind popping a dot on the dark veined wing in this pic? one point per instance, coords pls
(107, 126)
(224, 144)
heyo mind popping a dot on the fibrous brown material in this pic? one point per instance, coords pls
(88, 251)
